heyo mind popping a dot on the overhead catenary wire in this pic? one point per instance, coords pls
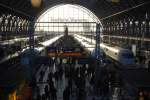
(126, 10)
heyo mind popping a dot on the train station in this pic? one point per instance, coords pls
(74, 50)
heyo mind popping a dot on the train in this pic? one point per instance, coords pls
(9, 47)
(118, 54)
(12, 46)
(39, 49)
(121, 55)
(17, 45)
(90, 49)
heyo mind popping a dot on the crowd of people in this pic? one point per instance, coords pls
(80, 81)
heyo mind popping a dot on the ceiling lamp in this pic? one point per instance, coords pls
(36, 3)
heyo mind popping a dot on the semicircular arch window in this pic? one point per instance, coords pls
(77, 18)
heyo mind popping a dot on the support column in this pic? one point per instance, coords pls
(98, 75)
(31, 34)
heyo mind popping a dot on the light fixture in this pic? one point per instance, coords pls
(36, 3)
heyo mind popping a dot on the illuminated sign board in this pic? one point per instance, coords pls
(63, 51)
(65, 54)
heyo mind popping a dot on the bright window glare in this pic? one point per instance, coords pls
(67, 13)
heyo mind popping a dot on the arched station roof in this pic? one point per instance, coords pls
(101, 8)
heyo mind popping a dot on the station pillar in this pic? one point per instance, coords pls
(98, 58)
(31, 34)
